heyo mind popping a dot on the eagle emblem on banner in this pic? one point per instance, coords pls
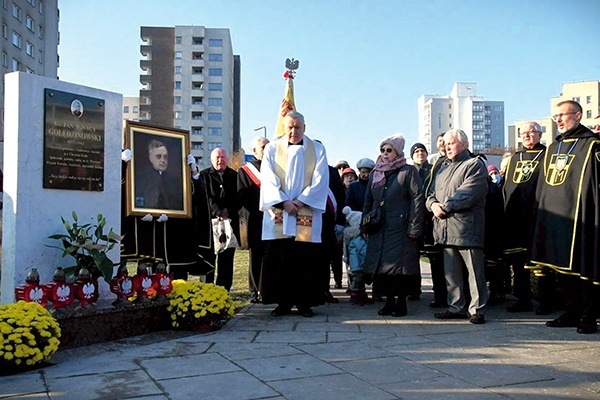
(524, 170)
(559, 168)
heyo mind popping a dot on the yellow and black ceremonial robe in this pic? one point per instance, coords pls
(566, 234)
(520, 182)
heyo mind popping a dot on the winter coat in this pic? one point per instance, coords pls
(460, 187)
(390, 251)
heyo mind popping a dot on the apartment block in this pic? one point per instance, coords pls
(482, 120)
(29, 41)
(191, 81)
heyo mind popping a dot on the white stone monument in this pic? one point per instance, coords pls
(32, 212)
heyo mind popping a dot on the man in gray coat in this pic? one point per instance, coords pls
(457, 201)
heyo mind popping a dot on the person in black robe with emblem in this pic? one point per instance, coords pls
(566, 236)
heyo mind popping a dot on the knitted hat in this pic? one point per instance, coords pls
(347, 171)
(492, 167)
(353, 217)
(417, 146)
(339, 163)
(397, 142)
(365, 163)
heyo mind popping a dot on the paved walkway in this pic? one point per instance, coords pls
(342, 353)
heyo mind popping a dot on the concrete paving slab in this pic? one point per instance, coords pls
(334, 352)
(101, 363)
(387, 370)
(114, 385)
(339, 386)
(287, 367)
(252, 351)
(30, 383)
(291, 337)
(440, 388)
(185, 366)
(233, 385)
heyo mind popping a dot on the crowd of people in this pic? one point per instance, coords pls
(483, 228)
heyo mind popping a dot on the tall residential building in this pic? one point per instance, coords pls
(29, 40)
(587, 94)
(131, 108)
(192, 82)
(482, 121)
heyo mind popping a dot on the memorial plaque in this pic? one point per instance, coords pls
(73, 141)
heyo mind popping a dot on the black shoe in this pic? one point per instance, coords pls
(543, 310)
(377, 298)
(438, 304)
(281, 310)
(495, 300)
(450, 315)
(587, 326)
(255, 298)
(477, 319)
(330, 299)
(564, 321)
(338, 284)
(520, 306)
(306, 312)
(400, 310)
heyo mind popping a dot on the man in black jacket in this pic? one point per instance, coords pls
(220, 182)
(248, 187)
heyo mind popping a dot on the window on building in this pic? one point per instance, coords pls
(136, 109)
(41, 31)
(4, 59)
(177, 99)
(197, 115)
(178, 69)
(197, 146)
(196, 130)
(16, 11)
(178, 55)
(215, 87)
(196, 100)
(126, 109)
(449, 115)
(196, 70)
(177, 84)
(450, 105)
(212, 145)
(177, 115)
(215, 42)
(588, 114)
(40, 56)
(577, 99)
(588, 99)
(32, 2)
(5, 4)
(29, 49)
(215, 101)
(4, 31)
(212, 116)
(16, 39)
(30, 24)
(215, 57)
(215, 71)
(16, 65)
(197, 41)
(439, 121)
(214, 131)
(197, 55)
(197, 85)
(177, 39)
(40, 6)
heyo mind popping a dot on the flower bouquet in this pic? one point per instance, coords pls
(199, 306)
(28, 335)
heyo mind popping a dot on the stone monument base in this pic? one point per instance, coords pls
(103, 322)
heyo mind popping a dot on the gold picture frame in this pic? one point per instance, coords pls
(157, 180)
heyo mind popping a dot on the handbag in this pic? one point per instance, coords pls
(223, 235)
(372, 221)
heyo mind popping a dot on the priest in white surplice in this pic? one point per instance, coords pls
(293, 197)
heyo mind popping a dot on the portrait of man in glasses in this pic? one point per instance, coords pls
(155, 186)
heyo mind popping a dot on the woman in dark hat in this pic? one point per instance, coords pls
(393, 251)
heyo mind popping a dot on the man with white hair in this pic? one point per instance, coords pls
(520, 181)
(293, 197)
(220, 182)
(457, 201)
(248, 187)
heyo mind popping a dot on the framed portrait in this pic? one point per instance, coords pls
(157, 180)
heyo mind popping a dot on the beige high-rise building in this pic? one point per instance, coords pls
(586, 93)
(29, 40)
